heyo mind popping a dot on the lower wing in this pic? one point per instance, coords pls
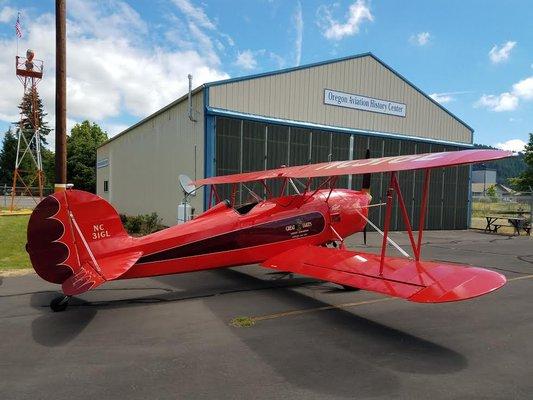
(418, 281)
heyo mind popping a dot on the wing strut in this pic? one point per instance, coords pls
(396, 245)
(394, 187)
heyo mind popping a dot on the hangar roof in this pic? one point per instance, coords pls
(332, 61)
(284, 71)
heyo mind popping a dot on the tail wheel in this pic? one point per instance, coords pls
(59, 303)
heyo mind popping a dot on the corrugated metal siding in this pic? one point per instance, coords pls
(448, 192)
(277, 153)
(299, 96)
(144, 164)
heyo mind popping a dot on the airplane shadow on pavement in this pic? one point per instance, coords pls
(55, 329)
(335, 352)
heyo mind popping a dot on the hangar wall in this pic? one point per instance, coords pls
(298, 95)
(244, 145)
(144, 162)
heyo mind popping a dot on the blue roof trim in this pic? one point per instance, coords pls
(311, 125)
(335, 60)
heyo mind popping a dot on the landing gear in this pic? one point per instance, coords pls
(59, 303)
(350, 288)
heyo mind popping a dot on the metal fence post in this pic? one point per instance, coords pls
(530, 209)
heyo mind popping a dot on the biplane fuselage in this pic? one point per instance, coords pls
(76, 238)
(225, 236)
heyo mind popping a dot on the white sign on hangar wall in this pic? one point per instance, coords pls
(358, 102)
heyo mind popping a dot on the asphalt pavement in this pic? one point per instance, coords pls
(173, 338)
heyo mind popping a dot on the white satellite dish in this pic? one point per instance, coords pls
(187, 185)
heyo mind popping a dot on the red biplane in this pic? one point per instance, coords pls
(76, 239)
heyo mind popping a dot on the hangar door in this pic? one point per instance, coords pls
(243, 146)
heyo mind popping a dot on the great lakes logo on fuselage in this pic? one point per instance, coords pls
(300, 228)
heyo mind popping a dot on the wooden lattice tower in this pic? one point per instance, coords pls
(29, 72)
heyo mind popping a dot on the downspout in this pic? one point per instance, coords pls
(190, 98)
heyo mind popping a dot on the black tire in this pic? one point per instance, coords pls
(350, 288)
(59, 304)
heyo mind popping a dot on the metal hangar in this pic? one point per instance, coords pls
(331, 110)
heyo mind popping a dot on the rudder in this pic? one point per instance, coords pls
(77, 239)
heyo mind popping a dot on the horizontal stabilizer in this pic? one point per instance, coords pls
(418, 281)
(91, 275)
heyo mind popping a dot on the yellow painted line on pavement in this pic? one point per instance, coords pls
(310, 310)
(520, 277)
(343, 306)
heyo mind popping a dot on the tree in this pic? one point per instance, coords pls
(7, 157)
(505, 169)
(491, 192)
(524, 181)
(49, 162)
(26, 111)
(82, 143)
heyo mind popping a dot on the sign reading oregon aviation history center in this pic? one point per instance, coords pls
(357, 102)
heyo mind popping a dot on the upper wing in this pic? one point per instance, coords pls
(418, 281)
(364, 166)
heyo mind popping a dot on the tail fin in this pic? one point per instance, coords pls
(76, 239)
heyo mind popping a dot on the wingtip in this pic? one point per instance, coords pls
(479, 282)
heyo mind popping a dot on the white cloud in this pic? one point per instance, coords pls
(499, 54)
(114, 129)
(502, 102)
(508, 101)
(524, 88)
(358, 12)
(195, 14)
(442, 98)
(246, 60)
(108, 74)
(299, 24)
(420, 39)
(7, 14)
(514, 145)
(201, 31)
(447, 97)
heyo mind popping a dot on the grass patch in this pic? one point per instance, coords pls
(12, 243)
(481, 208)
(242, 322)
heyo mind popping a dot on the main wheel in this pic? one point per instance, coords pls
(350, 288)
(59, 303)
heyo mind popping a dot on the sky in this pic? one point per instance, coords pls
(127, 59)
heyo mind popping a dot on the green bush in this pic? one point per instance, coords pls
(134, 224)
(151, 223)
(141, 224)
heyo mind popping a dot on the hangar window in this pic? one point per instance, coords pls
(106, 186)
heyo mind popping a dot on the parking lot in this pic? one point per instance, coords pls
(172, 337)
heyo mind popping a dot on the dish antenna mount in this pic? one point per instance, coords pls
(187, 185)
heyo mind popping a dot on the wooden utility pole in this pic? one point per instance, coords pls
(61, 97)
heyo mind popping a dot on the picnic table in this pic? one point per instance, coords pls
(517, 222)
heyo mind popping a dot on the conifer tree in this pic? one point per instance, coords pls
(26, 109)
